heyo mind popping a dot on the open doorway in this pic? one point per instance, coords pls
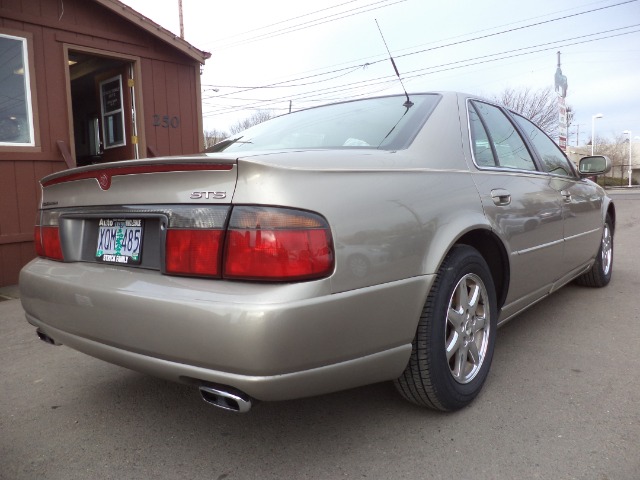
(103, 108)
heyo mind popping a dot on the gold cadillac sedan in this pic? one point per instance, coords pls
(359, 242)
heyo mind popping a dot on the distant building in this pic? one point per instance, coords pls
(84, 82)
(620, 160)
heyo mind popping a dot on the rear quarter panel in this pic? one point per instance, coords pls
(399, 212)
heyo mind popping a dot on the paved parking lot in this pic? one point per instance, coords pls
(561, 402)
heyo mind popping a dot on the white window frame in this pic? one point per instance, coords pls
(119, 112)
(27, 94)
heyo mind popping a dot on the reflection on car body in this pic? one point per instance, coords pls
(357, 242)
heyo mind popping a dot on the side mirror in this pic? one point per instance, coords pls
(596, 165)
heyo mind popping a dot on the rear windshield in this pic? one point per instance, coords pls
(384, 123)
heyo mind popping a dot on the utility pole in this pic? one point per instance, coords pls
(181, 20)
(578, 133)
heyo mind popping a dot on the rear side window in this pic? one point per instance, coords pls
(500, 135)
(482, 151)
(553, 160)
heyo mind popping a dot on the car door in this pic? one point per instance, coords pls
(581, 203)
(524, 209)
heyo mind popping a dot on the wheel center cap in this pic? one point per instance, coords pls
(467, 327)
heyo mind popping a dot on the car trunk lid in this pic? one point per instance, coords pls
(175, 180)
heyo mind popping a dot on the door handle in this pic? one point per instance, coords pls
(501, 196)
(566, 195)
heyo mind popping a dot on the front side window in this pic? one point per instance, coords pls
(504, 140)
(552, 157)
(16, 117)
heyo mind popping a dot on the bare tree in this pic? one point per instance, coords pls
(211, 137)
(258, 117)
(540, 106)
(618, 152)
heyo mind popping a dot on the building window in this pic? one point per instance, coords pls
(112, 112)
(16, 115)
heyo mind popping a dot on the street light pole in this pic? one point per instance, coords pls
(628, 132)
(593, 130)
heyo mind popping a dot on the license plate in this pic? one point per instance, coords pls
(119, 241)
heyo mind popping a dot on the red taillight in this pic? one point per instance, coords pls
(47, 240)
(260, 243)
(46, 235)
(193, 252)
(277, 245)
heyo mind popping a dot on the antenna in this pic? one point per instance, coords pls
(408, 103)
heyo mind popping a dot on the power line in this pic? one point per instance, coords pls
(555, 43)
(523, 53)
(503, 25)
(284, 21)
(314, 23)
(433, 69)
(516, 28)
(366, 59)
(350, 69)
(281, 84)
(241, 89)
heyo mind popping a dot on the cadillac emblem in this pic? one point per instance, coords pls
(104, 180)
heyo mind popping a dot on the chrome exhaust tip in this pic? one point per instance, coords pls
(226, 398)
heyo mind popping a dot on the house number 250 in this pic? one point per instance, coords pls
(165, 121)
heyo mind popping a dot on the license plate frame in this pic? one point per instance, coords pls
(120, 241)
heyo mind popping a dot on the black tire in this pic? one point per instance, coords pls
(600, 274)
(430, 379)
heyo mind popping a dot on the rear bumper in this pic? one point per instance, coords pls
(316, 381)
(273, 342)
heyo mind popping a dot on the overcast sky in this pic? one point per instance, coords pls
(273, 54)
